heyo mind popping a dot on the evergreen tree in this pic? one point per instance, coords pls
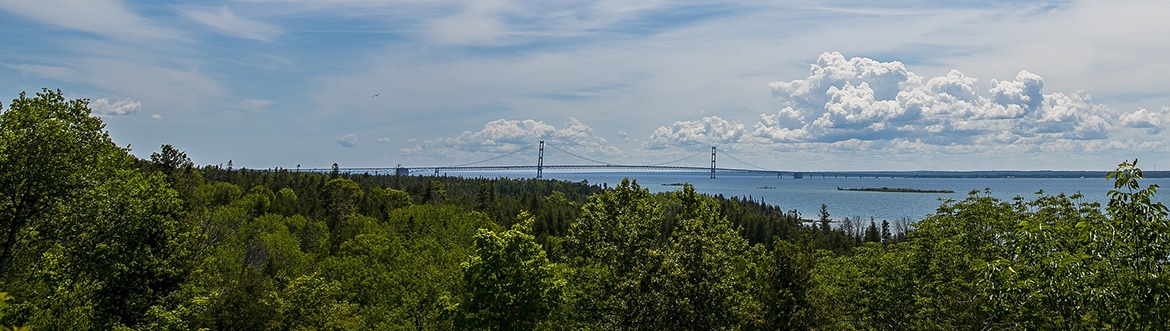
(825, 219)
(872, 234)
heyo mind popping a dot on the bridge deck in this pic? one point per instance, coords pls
(586, 167)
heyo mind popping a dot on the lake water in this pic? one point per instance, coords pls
(807, 194)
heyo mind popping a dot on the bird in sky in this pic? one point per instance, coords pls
(375, 95)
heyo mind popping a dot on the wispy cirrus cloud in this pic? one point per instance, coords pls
(107, 18)
(227, 22)
(503, 136)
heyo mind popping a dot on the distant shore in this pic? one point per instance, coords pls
(892, 190)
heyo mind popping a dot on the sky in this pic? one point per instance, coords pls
(780, 85)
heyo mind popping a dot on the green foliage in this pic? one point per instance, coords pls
(286, 202)
(4, 298)
(784, 280)
(1052, 262)
(705, 268)
(436, 192)
(1138, 236)
(634, 267)
(342, 199)
(614, 247)
(127, 238)
(170, 159)
(825, 219)
(50, 150)
(94, 239)
(511, 285)
(310, 302)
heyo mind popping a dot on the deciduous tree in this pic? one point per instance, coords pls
(50, 148)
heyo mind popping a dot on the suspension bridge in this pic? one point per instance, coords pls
(674, 165)
(592, 164)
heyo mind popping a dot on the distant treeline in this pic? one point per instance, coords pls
(96, 239)
(892, 190)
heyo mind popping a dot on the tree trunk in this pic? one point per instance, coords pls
(13, 228)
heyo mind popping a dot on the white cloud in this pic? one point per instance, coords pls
(156, 117)
(954, 84)
(126, 106)
(55, 72)
(838, 105)
(502, 135)
(833, 70)
(384, 140)
(478, 24)
(411, 150)
(1145, 119)
(348, 140)
(578, 136)
(226, 22)
(708, 131)
(1017, 96)
(784, 126)
(1069, 116)
(620, 66)
(109, 18)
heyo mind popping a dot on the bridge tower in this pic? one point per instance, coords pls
(712, 162)
(540, 161)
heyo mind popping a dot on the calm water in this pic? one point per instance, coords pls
(806, 195)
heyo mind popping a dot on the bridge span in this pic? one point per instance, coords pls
(436, 170)
(440, 170)
(540, 166)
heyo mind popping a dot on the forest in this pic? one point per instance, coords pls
(96, 238)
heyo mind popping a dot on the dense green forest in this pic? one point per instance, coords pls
(95, 238)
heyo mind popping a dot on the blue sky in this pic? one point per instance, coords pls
(792, 85)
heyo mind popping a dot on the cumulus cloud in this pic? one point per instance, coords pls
(578, 136)
(1145, 119)
(384, 140)
(348, 140)
(502, 135)
(886, 79)
(864, 104)
(1020, 95)
(785, 126)
(708, 131)
(126, 106)
(156, 117)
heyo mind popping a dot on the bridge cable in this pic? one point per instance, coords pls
(679, 160)
(493, 158)
(725, 153)
(578, 156)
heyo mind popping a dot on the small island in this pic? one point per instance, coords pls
(673, 184)
(892, 189)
